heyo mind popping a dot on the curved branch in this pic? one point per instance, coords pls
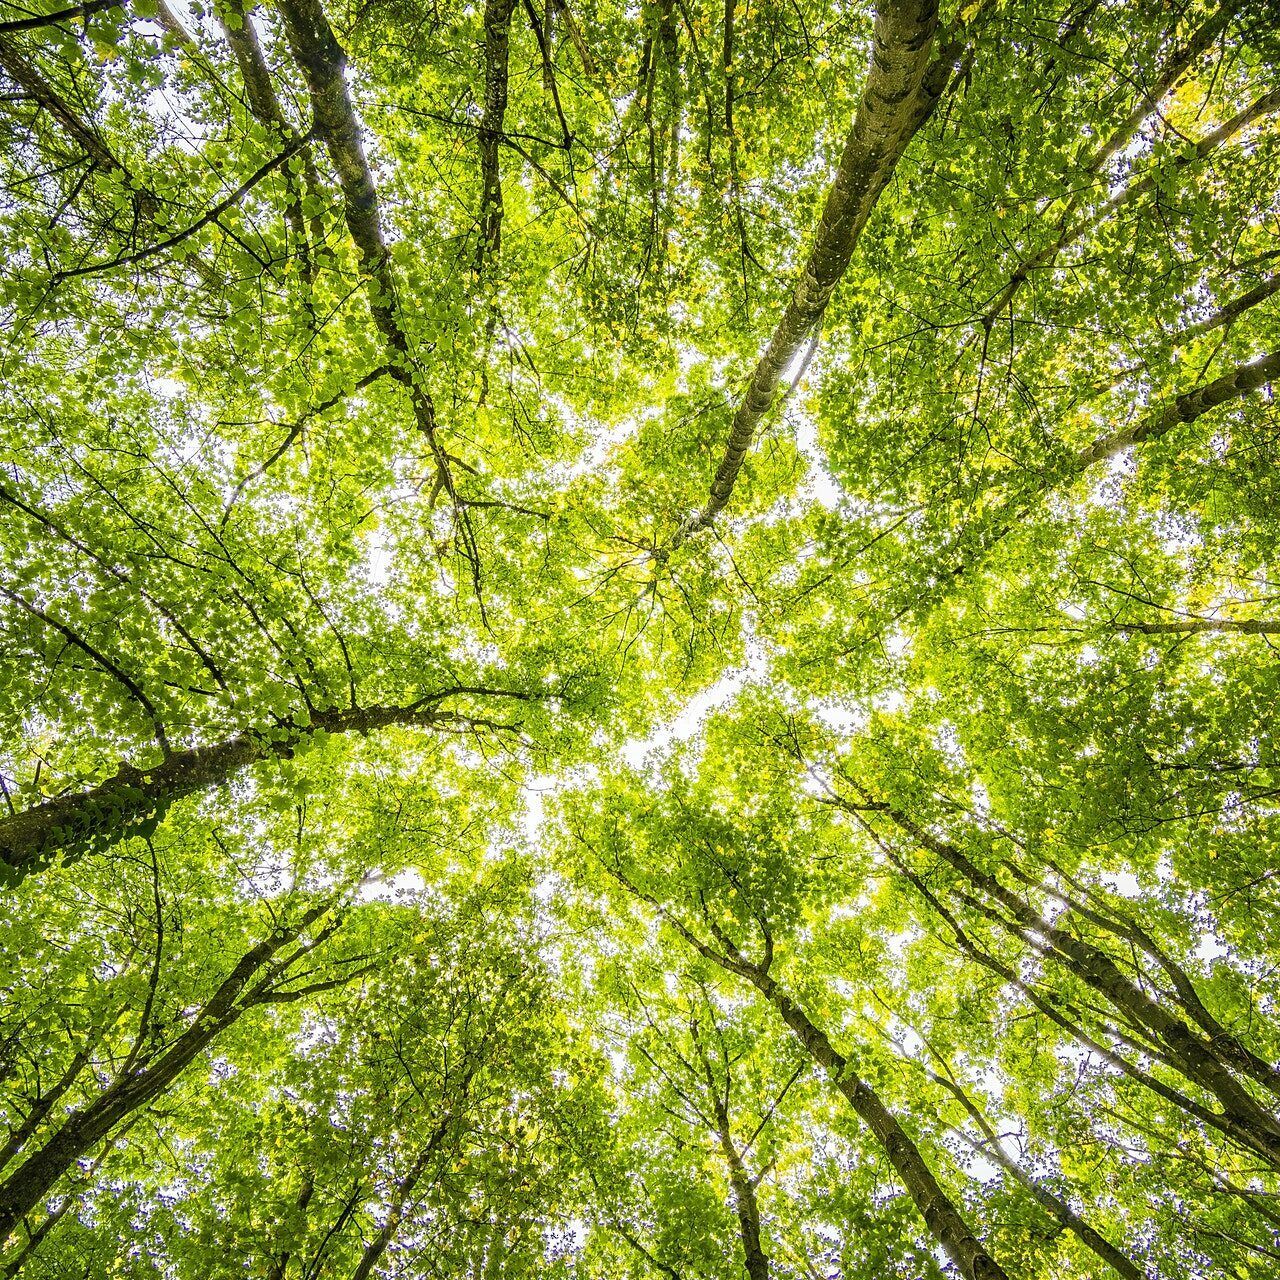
(1233, 310)
(295, 430)
(82, 1129)
(97, 656)
(206, 219)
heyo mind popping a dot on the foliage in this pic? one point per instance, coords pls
(640, 640)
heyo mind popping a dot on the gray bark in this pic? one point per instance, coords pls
(1187, 407)
(497, 42)
(1191, 1055)
(941, 1215)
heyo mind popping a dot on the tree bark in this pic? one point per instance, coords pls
(1070, 233)
(323, 62)
(942, 1217)
(497, 42)
(265, 106)
(1232, 1051)
(1215, 626)
(754, 1259)
(395, 1214)
(1054, 1205)
(1166, 79)
(1224, 1124)
(35, 85)
(1233, 385)
(29, 78)
(62, 15)
(1190, 1054)
(1231, 311)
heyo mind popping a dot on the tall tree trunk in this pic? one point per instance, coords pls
(943, 1218)
(1073, 1029)
(376, 1247)
(323, 62)
(901, 91)
(1188, 1053)
(1054, 1205)
(266, 109)
(941, 1215)
(754, 1259)
(497, 42)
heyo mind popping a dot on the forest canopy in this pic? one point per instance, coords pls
(639, 640)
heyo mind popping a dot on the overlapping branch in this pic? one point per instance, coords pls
(968, 551)
(39, 20)
(206, 219)
(945, 1221)
(265, 107)
(256, 979)
(1163, 1033)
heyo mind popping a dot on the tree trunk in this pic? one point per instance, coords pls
(901, 91)
(114, 809)
(323, 62)
(84, 1128)
(1052, 1204)
(745, 1205)
(942, 1217)
(497, 42)
(1191, 1055)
